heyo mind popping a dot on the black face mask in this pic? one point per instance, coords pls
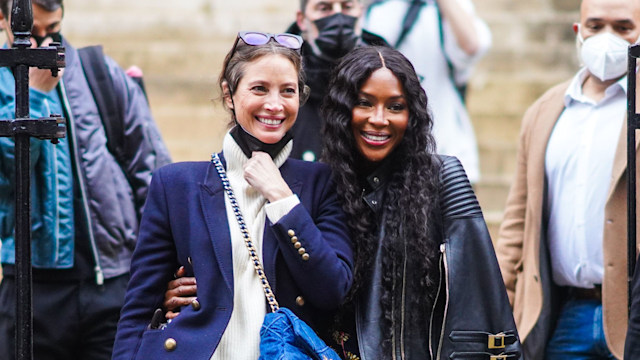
(336, 35)
(56, 37)
(248, 143)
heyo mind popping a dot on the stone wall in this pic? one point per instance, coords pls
(180, 46)
(533, 49)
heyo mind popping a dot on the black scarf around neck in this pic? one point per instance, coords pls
(249, 143)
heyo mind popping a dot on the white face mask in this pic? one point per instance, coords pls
(605, 55)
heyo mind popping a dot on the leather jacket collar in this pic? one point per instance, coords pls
(375, 184)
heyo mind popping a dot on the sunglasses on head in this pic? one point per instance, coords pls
(257, 38)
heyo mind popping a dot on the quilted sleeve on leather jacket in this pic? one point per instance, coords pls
(476, 319)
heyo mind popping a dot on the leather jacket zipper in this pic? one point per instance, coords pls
(83, 192)
(443, 262)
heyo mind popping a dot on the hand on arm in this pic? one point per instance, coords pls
(180, 292)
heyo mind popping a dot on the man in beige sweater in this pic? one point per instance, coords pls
(562, 244)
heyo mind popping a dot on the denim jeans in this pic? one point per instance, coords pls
(579, 334)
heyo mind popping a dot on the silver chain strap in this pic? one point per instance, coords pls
(253, 253)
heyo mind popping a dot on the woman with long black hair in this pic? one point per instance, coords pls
(426, 280)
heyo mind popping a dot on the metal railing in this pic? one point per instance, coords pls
(20, 57)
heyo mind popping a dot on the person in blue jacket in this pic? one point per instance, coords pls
(290, 208)
(86, 205)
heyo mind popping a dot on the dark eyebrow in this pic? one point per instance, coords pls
(54, 25)
(628, 22)
(617, 22)
(401, 96)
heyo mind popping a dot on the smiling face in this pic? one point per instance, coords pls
(380, 116)
(266, 100)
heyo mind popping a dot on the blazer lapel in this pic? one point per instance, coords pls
(269, 240)
(620, 159)
(215, 214)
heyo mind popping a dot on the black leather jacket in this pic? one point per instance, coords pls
(471, 317)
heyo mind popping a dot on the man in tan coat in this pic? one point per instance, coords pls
(562, 245)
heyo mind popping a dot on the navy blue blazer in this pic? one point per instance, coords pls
(185, 223)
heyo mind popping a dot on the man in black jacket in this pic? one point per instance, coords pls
(330, 28)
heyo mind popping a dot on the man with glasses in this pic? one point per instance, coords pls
(330, 28)
(85, 205)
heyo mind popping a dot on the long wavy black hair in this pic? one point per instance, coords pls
(410, 199)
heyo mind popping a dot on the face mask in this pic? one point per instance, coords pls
(56, 37)
(336, 35)
(248, 143)
(605, 55)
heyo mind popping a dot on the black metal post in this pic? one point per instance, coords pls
(24, 320)
(20, 57)
(632, 124)
(21, 23)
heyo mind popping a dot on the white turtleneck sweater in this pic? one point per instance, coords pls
(241, 338)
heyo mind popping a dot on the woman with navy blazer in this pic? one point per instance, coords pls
(290, 208)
